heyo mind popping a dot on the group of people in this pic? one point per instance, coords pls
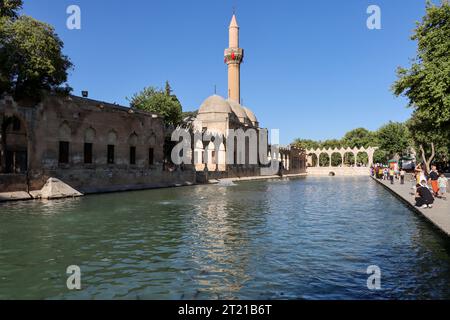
(427, 185)
(388, 173)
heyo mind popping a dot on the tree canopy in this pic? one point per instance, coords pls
(31, 58)
(426, 83)
(394, 139)
(9, 8)
(159, 101)
(359, 137)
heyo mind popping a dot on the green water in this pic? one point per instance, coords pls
(309, 238)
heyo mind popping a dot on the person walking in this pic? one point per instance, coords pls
(392, 175)
(402, 176)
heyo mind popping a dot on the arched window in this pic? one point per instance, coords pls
(112, 140)
(89, 137)
(133, 141)
(65, 135)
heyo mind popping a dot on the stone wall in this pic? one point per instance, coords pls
(338, 171)
(239, 171)
(13, 182)
(77, 122)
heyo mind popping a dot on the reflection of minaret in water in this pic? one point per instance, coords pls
(233, 58)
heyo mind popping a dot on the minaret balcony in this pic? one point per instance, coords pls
(233, 55)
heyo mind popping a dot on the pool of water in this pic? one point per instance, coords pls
(310, 238)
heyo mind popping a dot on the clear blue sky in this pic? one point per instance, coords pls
(312, 68)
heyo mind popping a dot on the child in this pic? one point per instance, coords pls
(443, 183)
(433, 180)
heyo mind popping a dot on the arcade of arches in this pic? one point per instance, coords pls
(342, 157)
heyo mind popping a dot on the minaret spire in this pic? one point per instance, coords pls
(233, 58)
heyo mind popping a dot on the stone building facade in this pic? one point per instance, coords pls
(90, 145)
(94, 146)
(218, 115)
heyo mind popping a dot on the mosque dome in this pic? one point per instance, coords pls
(215, 104)
(250, 115)
(238, 110)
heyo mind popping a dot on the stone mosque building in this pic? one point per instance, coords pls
(93, 146)
(216, 115)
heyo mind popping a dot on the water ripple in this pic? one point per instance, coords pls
(293, 239)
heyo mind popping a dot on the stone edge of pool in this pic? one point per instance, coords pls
(437, 215)
(23, 196)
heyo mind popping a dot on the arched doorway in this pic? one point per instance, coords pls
(312, 160)
(14, 146)
(349, 159)
(324, 160)
(362, 159)
(336, 159)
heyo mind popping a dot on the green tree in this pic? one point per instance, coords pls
(155, 100)
(394, 139)
(31, 58)
(380, 156)
(427, 82)
(423, 133)
(168, 89)
(306, 144)
(188, 114)
(9, 8)
(359, 137)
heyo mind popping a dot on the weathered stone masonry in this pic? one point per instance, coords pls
(91, 145)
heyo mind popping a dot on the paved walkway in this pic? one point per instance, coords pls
(439, 215)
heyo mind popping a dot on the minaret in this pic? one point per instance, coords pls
(233, 58)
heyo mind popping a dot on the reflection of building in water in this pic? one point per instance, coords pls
(221, 244)
(217, 115)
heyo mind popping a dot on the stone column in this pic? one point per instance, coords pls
(370, 155)
(318, 159)
(329, 157)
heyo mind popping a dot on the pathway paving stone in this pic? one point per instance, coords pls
(439, 215)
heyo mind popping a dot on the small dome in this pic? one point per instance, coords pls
(238, 110)
(215, 104)
(250, 115)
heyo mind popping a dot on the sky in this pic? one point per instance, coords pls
(312, 68)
